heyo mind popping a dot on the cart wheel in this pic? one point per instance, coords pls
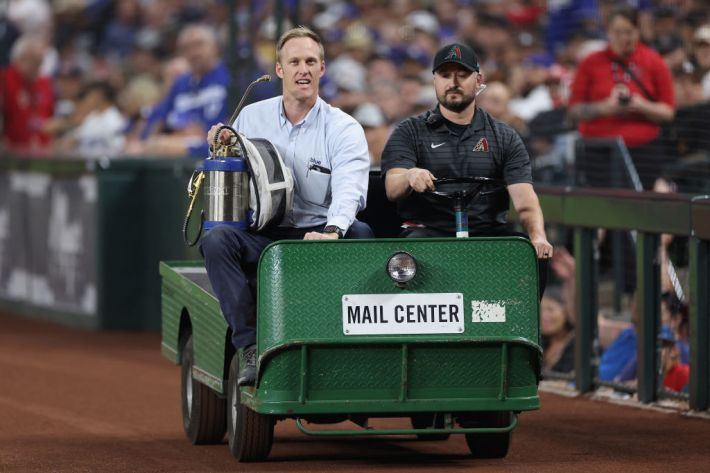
(492, 445)
(250, 433)
(204, 416)
(422, 420)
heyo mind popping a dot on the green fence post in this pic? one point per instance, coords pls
(648, 282)
(586, 307)
(699, 312)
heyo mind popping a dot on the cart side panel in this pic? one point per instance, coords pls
(186, 290)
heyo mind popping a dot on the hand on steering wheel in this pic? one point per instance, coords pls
(471, 186)
(420, 180)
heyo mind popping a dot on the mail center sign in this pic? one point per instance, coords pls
(402, 314)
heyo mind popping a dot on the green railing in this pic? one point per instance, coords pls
(649, 214)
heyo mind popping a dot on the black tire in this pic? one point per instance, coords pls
(491, 445)
(422, 420)
(204, 413)
(250, 434)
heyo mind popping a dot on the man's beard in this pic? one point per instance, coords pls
(458, 105)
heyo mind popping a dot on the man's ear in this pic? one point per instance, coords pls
(322, 67)
(279, 70)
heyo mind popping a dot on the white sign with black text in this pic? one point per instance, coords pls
(402, 314)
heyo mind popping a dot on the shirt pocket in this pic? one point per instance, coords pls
(316, 189)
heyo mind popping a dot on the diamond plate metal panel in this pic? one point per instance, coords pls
(373, 372)
(281, 377)
(454, 367)
(524, 364)
(301, 284)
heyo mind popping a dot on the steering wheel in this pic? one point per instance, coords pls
(475, 187)
(470, 187)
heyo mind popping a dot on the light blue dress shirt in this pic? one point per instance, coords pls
(327, 153)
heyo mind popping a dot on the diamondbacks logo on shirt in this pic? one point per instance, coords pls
(454, 53)
(482, 145)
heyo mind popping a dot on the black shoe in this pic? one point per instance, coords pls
(247, 375)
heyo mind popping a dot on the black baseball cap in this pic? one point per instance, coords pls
(457, 53)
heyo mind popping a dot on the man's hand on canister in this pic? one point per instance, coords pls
(225, 136)
(421, 180)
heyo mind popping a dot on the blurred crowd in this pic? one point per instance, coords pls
(148, 77)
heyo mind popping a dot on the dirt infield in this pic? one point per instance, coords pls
(79, 401)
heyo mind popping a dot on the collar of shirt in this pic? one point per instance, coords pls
(476, 125)
(632, 58)
(307, 120)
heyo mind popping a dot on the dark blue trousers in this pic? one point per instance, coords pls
(231, 258)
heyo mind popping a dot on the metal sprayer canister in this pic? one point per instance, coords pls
(226, 192)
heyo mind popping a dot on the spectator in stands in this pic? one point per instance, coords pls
(349, 78)
(556, 332)
(409, 92)
(671, 48)
(533, 96)
(688, 93)
(567, 18)
(68, 86)
(372, 120)
(625, 90)
(100, 131)
(119, 33)
(196, 100)
(701, 51)
(29, 16)
(495, 99)
(137, 98)
(8, 35)
(619, 360)
(26, 97)
(676, 374)
(563, 268)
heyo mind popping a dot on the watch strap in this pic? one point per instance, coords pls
(334, 229)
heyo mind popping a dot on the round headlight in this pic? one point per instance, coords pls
(401, 267)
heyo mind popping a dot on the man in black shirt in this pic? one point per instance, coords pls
(456, 139)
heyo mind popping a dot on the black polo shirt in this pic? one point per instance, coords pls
(488, 148)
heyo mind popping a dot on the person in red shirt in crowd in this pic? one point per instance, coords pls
(676, 374)
(26, 97)
(624, 90)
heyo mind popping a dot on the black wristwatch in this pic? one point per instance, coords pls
(334, 229)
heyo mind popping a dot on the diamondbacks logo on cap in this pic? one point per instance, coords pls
(482, 145)
(454, 53)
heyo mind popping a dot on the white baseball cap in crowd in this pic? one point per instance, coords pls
(369, 115)
(702, 35)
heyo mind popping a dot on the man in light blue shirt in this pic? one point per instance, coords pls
(327, 153)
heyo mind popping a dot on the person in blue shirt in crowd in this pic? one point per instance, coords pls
(566, 18)
(619, 360)
(197, 99)
(327, 153)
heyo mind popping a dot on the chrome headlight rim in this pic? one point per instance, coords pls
(402, 280)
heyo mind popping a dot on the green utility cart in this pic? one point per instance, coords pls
(442, 331)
